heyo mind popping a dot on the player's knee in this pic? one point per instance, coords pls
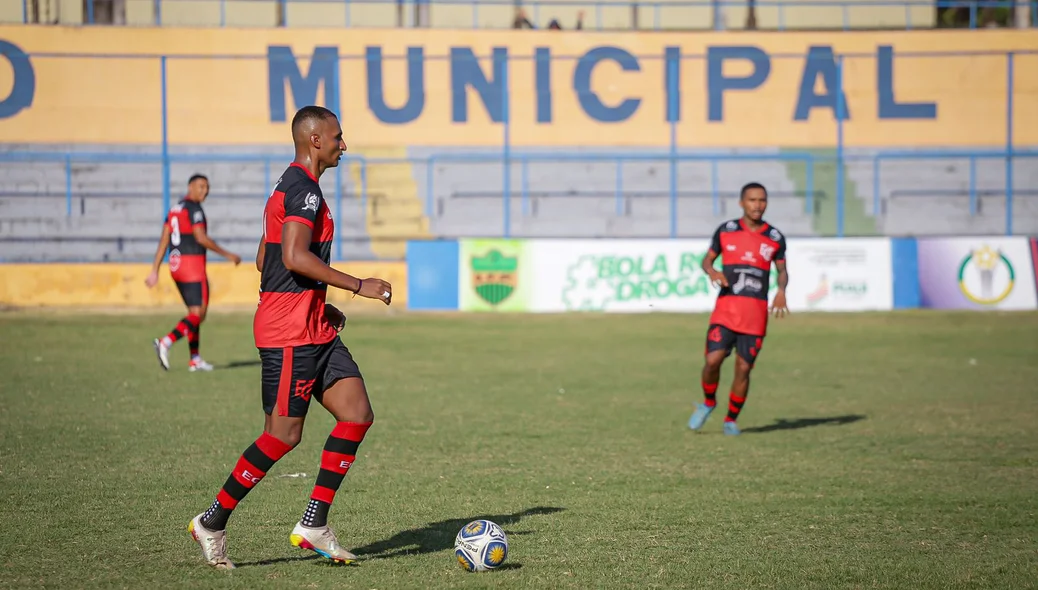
(290, 434)
(714, 360)
(742, 366)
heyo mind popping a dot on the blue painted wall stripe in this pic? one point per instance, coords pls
(904, 253)
(432, 275)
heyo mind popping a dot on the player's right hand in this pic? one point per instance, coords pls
(376, 289)
(718, 279)
(152, 280)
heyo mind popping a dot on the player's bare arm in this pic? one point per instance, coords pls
(260, 251)
(209, 244)
(716, 276)
(297, 257)
(778, 305)
(153, 276)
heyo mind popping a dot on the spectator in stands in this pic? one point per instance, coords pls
(522, 22)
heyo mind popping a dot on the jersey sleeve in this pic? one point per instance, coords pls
(301, 204)
(195, 215)
(715, 242)
(780, 254)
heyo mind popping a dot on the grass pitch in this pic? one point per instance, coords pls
(880, 451)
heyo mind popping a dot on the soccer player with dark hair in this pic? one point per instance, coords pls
(302, 356)
(747, 247)
(184, 233)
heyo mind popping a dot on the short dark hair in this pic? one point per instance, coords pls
(752, 185)
(310, 113)
(195, 177)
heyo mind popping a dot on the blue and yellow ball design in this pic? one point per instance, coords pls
(480, 546)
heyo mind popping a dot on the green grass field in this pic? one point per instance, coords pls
(881, 451)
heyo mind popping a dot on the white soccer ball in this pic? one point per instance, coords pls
(480, 546)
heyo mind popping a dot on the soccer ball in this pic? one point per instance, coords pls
(480, 546)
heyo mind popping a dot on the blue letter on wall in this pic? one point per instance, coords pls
(24, 88)
(820, 62)
(542, 83)
(412, 109)
(593, 105)
(282, 66)
(889, 108)
(465, 71)
(717, 83)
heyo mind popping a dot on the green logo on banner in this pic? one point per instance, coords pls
(494, 276)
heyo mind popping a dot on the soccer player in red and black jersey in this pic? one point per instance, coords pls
(302, 357)
(184, 233)
(748, 247)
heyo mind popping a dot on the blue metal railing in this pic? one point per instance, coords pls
(404, 11)
(525, 161)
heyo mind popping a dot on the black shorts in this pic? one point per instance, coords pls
(291, 376)
(194, 294)
(719, 337)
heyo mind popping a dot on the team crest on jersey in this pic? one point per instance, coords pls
(775, 235)
(767, 252)
(311, 202)
(731, 225)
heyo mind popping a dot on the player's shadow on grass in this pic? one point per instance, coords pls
(439, 536)
(783, 424)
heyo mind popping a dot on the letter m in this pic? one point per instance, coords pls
(282, 66)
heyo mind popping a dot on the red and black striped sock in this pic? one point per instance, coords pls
(710, 393)
(192, 339)
(254, 463)
(734, 407)
(340, 451)
(184, 327)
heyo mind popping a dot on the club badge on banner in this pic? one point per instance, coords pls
(848, 274)
(494, 275)
(976, 273)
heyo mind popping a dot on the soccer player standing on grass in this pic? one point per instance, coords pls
(185, 236)
(299, 346)
(747, 247)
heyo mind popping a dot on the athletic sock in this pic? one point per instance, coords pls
(710, 393)
(192, 339)
(734, 407)
(340, 451)
(184, 327)
(254, 463)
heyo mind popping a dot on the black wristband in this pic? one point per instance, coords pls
(360, 283)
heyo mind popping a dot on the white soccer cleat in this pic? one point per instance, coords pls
(322, 541)
(213, 544)
(197, 364)
(163, 353)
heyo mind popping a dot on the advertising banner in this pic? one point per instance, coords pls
(976, 273)
(848, 274)
(659, 275)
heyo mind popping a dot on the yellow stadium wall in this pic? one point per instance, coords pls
(122, 286)
(565, 90)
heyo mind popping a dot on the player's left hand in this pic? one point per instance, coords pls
(235, 259)
(152, 280)
(778, 305)
(335, 317)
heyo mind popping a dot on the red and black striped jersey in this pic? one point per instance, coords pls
(186, 255)
(746, 257)
(291, 306)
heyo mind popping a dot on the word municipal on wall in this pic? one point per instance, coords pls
(457, 88)
(847, 274)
